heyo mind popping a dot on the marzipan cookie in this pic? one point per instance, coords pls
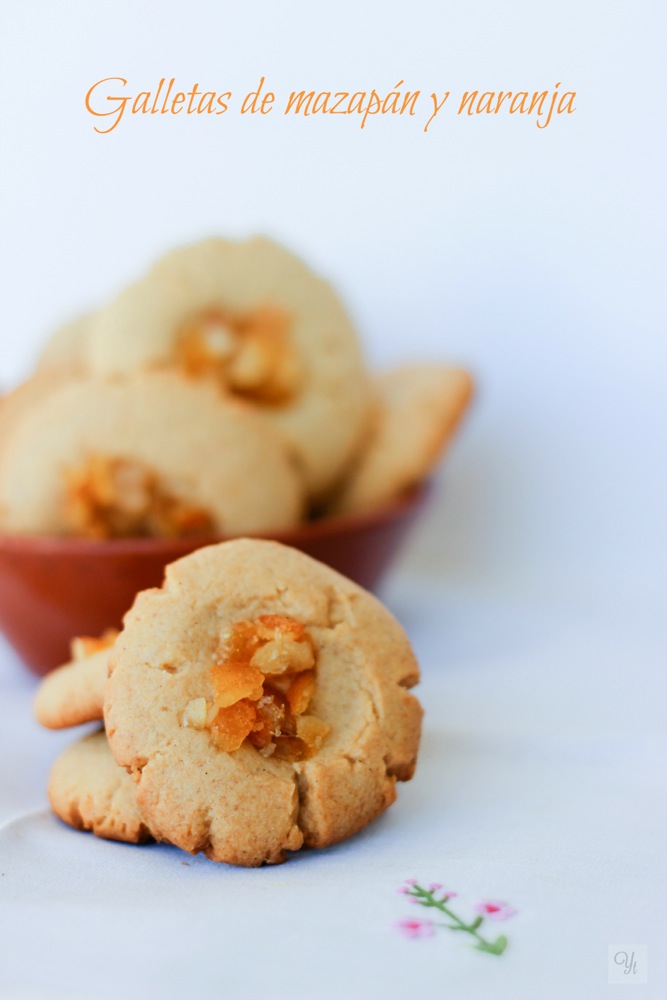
(419, 408)
(259, 701)
(154, 454)
(257, 322)
(89, 791)
(74, 694)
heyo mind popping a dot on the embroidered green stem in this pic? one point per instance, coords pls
(426, 897)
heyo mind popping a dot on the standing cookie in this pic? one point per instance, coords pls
(253, 319)
(419, 408)
(259, 699)
(74, 693)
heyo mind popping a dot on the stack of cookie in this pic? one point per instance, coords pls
(255, 704)
(224, 392)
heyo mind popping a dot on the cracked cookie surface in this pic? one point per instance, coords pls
(245, 807)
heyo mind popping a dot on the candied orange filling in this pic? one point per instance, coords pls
(121, 498)
(251, 354)
(263, 682)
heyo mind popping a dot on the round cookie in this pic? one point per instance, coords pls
(89, 791)
(156, 454)
(246, 807)
(258, 321)
(74, 694)
(418, 411)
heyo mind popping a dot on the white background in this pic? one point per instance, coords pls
(535, 256)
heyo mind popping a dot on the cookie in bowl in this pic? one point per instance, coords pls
(418, 409)
(151, 455)
(24, 397)
(257, 322)
(259, 700)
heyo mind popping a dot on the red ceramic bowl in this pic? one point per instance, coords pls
(54, 588)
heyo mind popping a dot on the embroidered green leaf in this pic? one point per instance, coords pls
(496, 947)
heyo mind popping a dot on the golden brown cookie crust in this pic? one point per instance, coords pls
(419, 409)
(241, 807)
(89, 791)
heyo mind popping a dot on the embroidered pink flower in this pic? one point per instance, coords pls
(407, 887)
(414, 929)
(494, 909)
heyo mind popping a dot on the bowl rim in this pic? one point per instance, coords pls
(315, 530)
